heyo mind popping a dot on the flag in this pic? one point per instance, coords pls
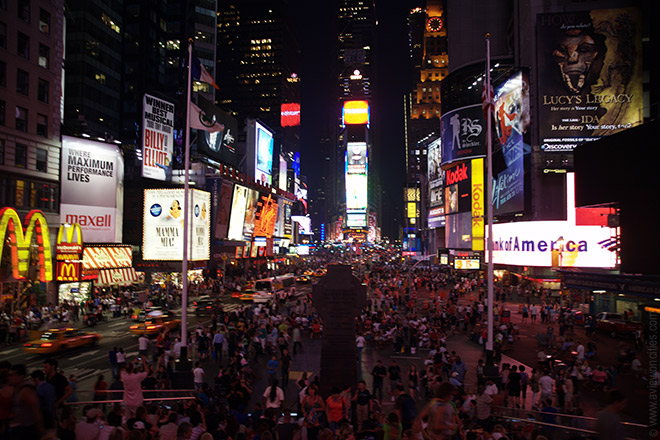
(199, 72)
(201, 120)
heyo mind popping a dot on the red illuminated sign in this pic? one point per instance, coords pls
(290, 115)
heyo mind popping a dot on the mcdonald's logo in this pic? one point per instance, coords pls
(69, 240)
(67, 271)
(19, 238)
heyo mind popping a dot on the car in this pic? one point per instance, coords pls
(303, 279)
(140, 315)
(247, 295)
(309, 273)
(205, 305)
(54, 340)
(155, 322)
(320, 272)
(615, 324)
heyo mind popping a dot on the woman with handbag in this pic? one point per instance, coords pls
(313, 408)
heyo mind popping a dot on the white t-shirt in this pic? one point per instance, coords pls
(279, 397)
(143, 343)
(121, 357)
(490, 389)
(199, 374)
(88, 430)
(360, 341)
(546, 383)
(580, 351)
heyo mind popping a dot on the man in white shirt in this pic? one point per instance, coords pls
(580, 352)
(143, 345)
(198, 374)
(359, 342)
(547, 385)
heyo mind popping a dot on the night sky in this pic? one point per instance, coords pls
(390, 82)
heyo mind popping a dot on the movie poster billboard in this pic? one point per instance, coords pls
(162, 236)
(221, 195)
(251, 206)
(512, 122)
(590, 75)
(463, 134)
(436, 178)
(237, 215)
(219, 145)
(266, 218)
(458, 231)
(157, 138)
(92, 192)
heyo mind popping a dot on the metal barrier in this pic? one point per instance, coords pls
(566, 423)
(150, 399)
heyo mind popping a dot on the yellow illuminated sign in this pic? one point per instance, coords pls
(478, 204)
(356, 112)
(412, 210)
(652, 309)
(20, 239)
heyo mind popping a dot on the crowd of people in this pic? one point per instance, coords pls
(437, 398)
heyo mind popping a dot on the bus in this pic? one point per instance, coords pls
(267, 287)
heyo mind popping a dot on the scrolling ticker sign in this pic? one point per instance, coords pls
(69, 248)
(19, 238)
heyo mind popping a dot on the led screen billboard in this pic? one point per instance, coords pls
(463, 133)
(458, 188)
(221, 197)
(92, 192)
(458, 231)
(282, 176)
(290, 115)
(356, 191)
(356, 158)
(356, 219)
(237, 215)
(157, 137)
(259, 151)
(251, 206)
(590, 75)
(512, 122)
(355, 113)
(436, 178)
(266, 218)
(162, 235)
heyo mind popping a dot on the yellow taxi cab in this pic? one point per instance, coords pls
(154, 323)
(320, 272)
(61, 339)
(247, 295)
(309, 273)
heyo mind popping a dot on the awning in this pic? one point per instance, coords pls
(117, 277)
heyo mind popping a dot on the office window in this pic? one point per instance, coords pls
(42, 90)
(2, 112)
(2, 151)
(42, 125)
(20, 156)
(21, 119)
(3, 74)
(24, 10)
(42, 160)
(3, 35)
(23, 45)
(22, 82)
(44, 21)
(44, 56)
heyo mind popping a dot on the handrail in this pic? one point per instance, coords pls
(566, 415)
(151, 399)
(552, 425)
(143, 390)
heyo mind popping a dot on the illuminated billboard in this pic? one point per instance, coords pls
(290, 115)
(458, 188)
(260, 152)
(157, 137)
(356, 191)
(478, 201)
(436, 178)
(356, 158)
(589, 67)
(355, 113)
(512, 122)
(251, 206)
(237, 215)
(356, 219)
(463, 133)
(218, 144)
(267, 209)
(92, 192)
(282, 177)
(162, 237)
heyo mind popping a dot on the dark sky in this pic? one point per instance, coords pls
(390, 82)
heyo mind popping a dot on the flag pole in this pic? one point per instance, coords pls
(184, 261)
(489, 207)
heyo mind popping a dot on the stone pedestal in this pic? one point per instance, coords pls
(338, 297)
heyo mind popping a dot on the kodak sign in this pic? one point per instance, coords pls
(19, 237)
(478, 204)
(69, 248)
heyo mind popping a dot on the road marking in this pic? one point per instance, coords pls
(8, 351)
(87, 353)
(117, 324)
(406, 357)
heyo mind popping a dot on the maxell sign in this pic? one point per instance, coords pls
(92, 188)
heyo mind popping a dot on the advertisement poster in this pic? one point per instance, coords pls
(458, 188)
(221, 192)
(436, 177)
(163, 225)
(157, 138)
(458, 231)
(356, 158)
(237, 215)
(463, 134)
(282, 178)
(92, 192)
(251, 206)
(264, 167)
(590, 75)
(356, 191)
(512, 122)
(267, 208)
(219, 145)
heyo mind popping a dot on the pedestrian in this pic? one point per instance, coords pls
(121, 360)
(513, 387)
(336, 408)
(394, 372)
(440, 415)
(132, 381)
(218, 343)
(297, 339)
(62, 388)
(608, 422)
(313, 408)
(378, 373)
(28, 419)
(112, 357)
(404, 406)
(285, 366)
(360, 342)
(272, 366)
(198, 376)
(413, 383)
(273, 396)
(362, 399)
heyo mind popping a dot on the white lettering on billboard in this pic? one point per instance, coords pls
(157, 137)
